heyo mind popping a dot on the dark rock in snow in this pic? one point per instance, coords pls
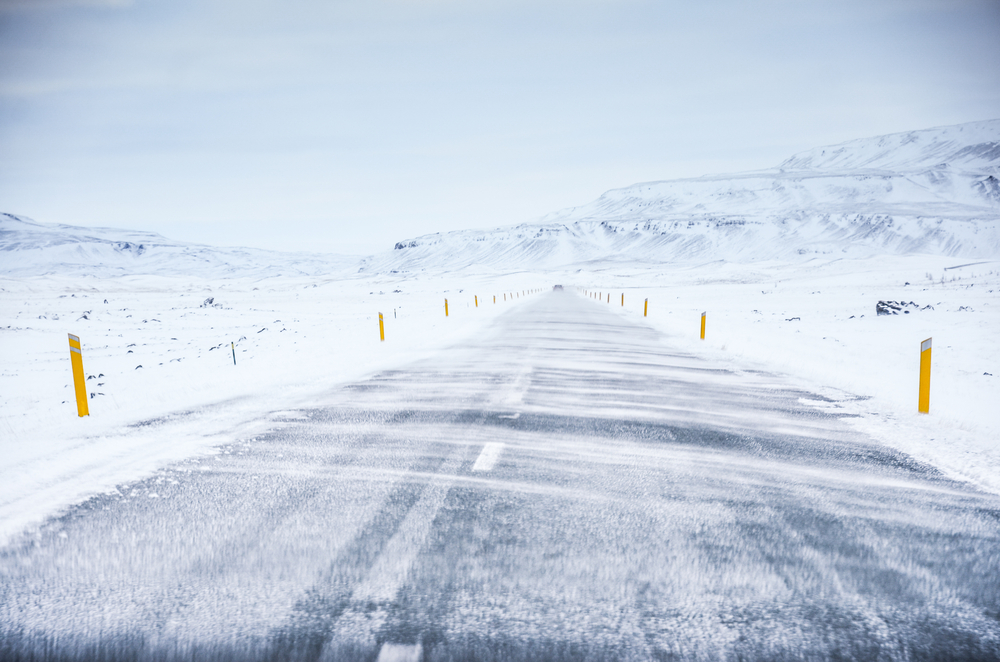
(894, 307)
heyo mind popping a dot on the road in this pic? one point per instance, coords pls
(563, 487)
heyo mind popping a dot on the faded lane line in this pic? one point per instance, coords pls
(489, 456)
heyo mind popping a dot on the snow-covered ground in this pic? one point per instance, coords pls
(789, 264)
(816, 323)
(298, 338)
(295, 339)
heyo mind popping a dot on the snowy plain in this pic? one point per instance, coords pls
(789, 264)
(295, 339)
(562, 486)
(298, 339)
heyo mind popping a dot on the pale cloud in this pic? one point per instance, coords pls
(383, 119)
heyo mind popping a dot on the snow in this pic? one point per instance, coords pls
(789, 264)
(647, 500)
(296, 338)
(896, 194)
(974, 146)
(815, 323)
(29, 248)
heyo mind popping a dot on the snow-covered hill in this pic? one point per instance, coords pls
(934, 191)
(28, 248)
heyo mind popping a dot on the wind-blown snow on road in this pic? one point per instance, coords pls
(565, 486)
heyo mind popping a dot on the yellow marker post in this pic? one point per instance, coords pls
(924, 400)
(381, 328)
(609, 297)
(623, 299)
(477, 300)
(494, 298)
(703, 326)
(79, 380)
(645, 308)
(446, 308)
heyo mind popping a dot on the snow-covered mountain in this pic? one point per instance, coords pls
(30, 248)
(934, 191)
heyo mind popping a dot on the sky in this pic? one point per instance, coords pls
(348, 126)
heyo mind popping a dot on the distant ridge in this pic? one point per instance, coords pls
(28, 248)
(935, 191)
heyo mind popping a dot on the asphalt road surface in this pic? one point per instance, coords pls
(564, 487)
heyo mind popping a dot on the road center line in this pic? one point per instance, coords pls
(489, 456)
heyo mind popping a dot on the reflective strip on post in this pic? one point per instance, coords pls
(924, 398)
(79, 380)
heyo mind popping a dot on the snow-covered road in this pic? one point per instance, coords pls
(565, 486)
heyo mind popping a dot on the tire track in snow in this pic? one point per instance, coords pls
(370, 602)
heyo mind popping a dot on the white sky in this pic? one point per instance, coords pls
(348, 126)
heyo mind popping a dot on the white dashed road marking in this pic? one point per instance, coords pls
(489, 456)
(400, 653)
